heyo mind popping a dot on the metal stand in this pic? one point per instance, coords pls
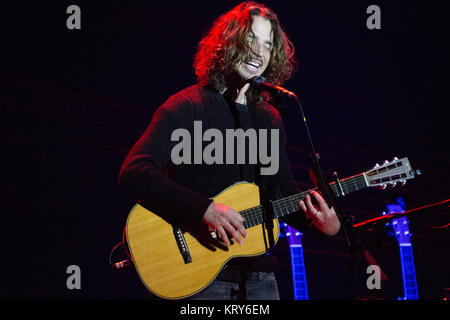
(346, 220)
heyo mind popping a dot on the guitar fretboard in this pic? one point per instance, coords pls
(282, 207)
(408, 272)
(298, 273)
(401, 231)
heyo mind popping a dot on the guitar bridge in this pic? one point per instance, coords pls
(182, 246)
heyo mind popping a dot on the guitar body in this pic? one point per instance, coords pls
(157, 257)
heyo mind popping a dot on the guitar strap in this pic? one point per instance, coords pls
(266, 188)
(245, 119)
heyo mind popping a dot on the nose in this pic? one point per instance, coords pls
(257, 49)
(260, 50)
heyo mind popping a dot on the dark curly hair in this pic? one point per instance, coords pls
(225, 45)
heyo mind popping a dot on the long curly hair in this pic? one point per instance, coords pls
(225, 45)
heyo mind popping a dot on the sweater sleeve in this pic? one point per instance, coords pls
(142, 177)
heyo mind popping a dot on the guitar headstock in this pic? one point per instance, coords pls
(400, 225)
(390, 173)
(294, 236)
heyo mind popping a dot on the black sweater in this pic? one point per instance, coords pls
(181, 193)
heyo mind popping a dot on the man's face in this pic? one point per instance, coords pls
(260, 39)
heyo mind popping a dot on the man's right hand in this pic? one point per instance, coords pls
(223, 219)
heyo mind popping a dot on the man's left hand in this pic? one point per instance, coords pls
(323, 218)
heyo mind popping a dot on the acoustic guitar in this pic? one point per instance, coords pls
(175, 264)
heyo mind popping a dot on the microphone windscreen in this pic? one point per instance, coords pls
(258, 80)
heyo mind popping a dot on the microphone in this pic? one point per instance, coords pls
(262, 84)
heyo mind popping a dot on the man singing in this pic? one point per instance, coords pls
(245, 42)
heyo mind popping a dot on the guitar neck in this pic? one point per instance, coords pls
(285, 206)
(298, 273)
(297, 263)
(408, 272)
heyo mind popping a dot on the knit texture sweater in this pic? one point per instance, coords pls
(181, 193)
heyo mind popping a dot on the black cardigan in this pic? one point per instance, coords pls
(181, 193)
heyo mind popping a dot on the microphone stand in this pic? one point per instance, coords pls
(345, 219)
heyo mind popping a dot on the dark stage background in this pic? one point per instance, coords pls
(74, 102)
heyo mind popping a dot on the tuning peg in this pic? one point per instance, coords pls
(376, 165)
(403, 182)
(385, 162)
(383, 186)
(393, 184)
(395, 159)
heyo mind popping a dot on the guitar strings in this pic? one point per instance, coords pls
(290, 204)
(254, 216)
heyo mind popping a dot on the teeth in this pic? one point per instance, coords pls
(254, 64)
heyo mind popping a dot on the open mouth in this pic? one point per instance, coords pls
(253, 65)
